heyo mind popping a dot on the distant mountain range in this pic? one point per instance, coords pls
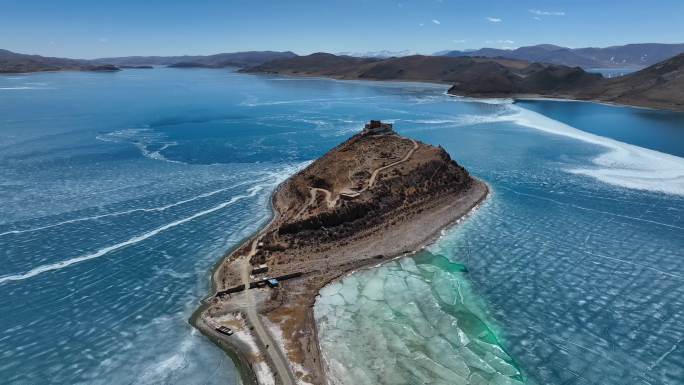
(12, 62)
(660, 85)
(623, 56)
(440, 69)
(221, 60)
(436, 69)
(379, 54)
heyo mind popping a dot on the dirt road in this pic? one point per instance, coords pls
(277, 356)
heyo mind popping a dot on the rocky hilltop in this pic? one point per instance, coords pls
(374, 197)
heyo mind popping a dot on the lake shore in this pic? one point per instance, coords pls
(580, 93)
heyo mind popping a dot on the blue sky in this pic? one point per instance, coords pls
(94, 28)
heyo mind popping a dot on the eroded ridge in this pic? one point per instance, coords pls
(374, 197)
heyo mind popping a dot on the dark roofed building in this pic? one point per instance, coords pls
(377, 127)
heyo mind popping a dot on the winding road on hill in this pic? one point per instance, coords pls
(353, 194)
(377, 171)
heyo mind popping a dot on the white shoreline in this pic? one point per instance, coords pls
(260, 368)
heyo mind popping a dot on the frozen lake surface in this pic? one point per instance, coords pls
(120, 191)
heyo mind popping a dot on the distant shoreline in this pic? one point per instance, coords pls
(514, 97)
(657, 86)
(470, 98)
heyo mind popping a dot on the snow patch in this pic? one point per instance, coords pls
(623, 165)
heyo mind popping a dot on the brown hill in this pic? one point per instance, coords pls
(221, 60)
(409, 68)
(11, 62)
(660, 85)
(317, 64)
(535, 79)
(622, 56)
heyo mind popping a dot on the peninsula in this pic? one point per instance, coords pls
(372, 198)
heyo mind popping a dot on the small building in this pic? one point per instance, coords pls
(234, 289)
(272, 282)
(224, 330)
(257, 284)
(377, 127)
(260, 269)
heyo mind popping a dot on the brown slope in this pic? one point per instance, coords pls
(11, 62)
(317, 64)
(471, 76)
(630, 55)
(660, 85)
(409, 68)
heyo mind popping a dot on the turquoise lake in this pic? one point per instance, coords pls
(119, 192)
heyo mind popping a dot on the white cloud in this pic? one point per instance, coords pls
(502, 41)
(459, 41)
(539, 12)
(436, 21)
(536, 17)
(103, 40)
(493, 19)
(421, 24)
